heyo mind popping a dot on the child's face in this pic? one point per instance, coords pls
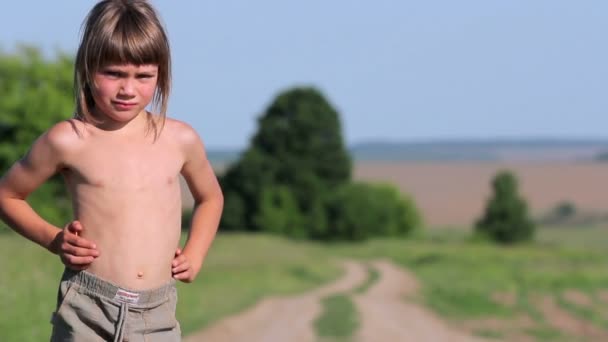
(122, 91)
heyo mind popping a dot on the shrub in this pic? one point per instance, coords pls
(279, 213)
(506, 219)
(359, 210)
(298, 149)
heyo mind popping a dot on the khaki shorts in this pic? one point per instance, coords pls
(92, 309)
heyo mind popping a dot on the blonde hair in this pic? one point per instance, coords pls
(122, 32)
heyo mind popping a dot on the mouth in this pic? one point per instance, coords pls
(124, 105)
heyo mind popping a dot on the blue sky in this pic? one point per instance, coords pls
(396, 70)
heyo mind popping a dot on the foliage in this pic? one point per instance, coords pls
(296, 159)
(279, 212)
(339, 318)
(564, 212)
(359, 210)
(36, 93)
(506, 217)
(602, 156)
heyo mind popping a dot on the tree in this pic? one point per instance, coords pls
(361, 210)
(602, 156)
(298, 147)
(505, 219)
(279, 212)
(36, 93)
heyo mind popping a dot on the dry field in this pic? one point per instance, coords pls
(454, 193)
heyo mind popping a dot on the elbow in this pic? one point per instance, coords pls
(216, 199)
(4, 199)
(220, 197)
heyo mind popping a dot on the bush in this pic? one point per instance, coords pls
(295, 179)
(358, 211)
(295, 159)
(505, 219)
(279, 213)
(564, 212)
(36, 93)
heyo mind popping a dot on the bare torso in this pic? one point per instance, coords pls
(125, 192)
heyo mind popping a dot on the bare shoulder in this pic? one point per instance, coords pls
(182, 133)
(54, 148)
(65, 136)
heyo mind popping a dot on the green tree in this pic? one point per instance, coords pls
(506, 219)
(299, 147)
(36, 93)
(361, 210)
(279, 212)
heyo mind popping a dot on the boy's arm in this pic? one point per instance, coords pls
(208, 205)
(44, 159)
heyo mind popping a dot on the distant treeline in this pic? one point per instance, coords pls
(462, 150)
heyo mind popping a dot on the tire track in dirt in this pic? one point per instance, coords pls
(281, 319)
(385, 315)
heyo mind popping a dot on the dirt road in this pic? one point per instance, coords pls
(386, 315)
(384, 311)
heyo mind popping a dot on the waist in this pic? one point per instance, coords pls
(95, 285)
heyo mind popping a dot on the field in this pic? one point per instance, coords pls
(454, 193)
(499, 292)
(555, 289)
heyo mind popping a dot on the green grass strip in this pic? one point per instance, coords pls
(372, 277)
(584, 313)
(545, 333)
(339, 318)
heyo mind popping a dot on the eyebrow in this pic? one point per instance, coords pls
(117, 70)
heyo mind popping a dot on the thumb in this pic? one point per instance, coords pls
(75, 227)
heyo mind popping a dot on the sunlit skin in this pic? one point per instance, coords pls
(124, 186)
(122, 92)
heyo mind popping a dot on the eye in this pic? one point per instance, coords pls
(112, 73)
(145, 76)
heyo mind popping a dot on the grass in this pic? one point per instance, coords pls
(239, 270)
(579, 237)
(339, 319)
(586, 313)
(372, 277)
(545, 333)
(459, 277)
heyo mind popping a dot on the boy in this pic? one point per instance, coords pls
(121, 165)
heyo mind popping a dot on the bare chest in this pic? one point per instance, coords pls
(127, 167)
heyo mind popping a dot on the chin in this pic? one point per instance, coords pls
(124, 116)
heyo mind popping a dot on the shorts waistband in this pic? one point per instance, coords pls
(104, 288)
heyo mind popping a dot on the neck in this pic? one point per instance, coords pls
(139, 123)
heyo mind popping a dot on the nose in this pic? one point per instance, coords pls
(127, 88)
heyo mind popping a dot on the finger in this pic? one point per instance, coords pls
(183, 276)
(178, 260)
(79, 241)
(79, 267)
(181, 268)
(74, 227)
(72, 260)
(78, 251)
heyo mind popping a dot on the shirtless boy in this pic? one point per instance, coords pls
(121, 165)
